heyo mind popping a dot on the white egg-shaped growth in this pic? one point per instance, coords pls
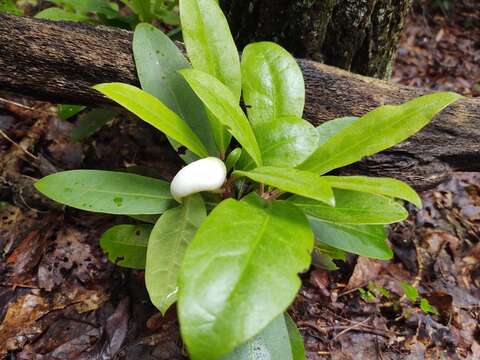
(207, 174)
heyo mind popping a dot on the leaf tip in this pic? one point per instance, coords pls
(38, 185)
(417, 201)
(100, 87)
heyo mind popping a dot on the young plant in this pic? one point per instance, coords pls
(412, 294)
(229, 252)
(9, 7)
(108, 12)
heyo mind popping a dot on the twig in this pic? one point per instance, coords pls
(10, 102)
(354, 326)
(357, 327)
(9, 139)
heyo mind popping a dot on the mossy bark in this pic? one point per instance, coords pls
(357, 35)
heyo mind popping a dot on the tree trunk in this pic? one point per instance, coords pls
(60, 62)
(356, 35)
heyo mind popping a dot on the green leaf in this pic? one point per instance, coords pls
(211, 49)
(353, 207)
(140, 7)
(151, 110)
(272, 83)
(150, 219)
(222, 103)
(9, 7)
(107, 192)
(378, 130)
(410, 292)
(91, 122)
(126, 245)
(364, 240)
(382, 186)
(233, 158)
(166, 246)
(328, 129)
(323, 261)
(167, 12)
(271, 343)
(334, 253)
(209, 43)
(323, 256)
(428, 308)
(157, 60)
(84, 7)
(291, 180)
(296, 340)
(66, 111)
(58, 14)
(285, 142)
(241, 247)
(366, 295)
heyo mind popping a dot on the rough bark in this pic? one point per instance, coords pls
(356, 35)
(60, 62)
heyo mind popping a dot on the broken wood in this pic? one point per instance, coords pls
(60, 61)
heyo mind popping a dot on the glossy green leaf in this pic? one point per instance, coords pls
(294, 181)
(58, 14)
(107, 192)
(151, 110)
(158, 60)
(410, 291)
(91, 122)
(222, 103)
(211, 49)
(242, 247)
(209, 43)
(166, 247)
(328, 129)
(296, 340)
(376, 131)
(382, 186)
(286, 142)
(353, 207)
(271, 343)
(66, 111)
(272, 83)
(126, 245)
(364, 240)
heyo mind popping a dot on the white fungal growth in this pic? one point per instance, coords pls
(207, 174)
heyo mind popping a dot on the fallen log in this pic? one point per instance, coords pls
(60, 61)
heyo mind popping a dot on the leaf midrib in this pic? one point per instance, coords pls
(348, 149)
(185, 133)
(257, 240)
(86, 190)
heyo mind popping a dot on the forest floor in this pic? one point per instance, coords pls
(61, 299)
